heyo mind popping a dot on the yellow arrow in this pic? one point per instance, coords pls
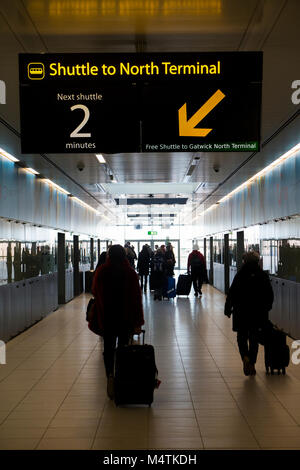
(187, 127)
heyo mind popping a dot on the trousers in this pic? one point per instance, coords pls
(110, 340)
(247, 339)
(197, 279)
(144, 277)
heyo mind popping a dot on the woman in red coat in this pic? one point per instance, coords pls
(118, 303)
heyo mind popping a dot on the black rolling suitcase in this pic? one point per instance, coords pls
(184, 284)
(277, 352)
(151, 282)
(135, 376)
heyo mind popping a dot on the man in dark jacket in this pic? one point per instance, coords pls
(143, 266)
(249, 300)
(170, 260)
(130, 254)
(197, 268)
(158, 274)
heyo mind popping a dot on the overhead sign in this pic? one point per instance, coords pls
(152, 233)
(152, 102)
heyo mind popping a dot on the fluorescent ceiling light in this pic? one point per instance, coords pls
(7, 155)
(85, 204)
(31, 170)
(100, 158)
(56, 186)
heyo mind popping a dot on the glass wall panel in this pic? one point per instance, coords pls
(218, 247)
(23, 259)
(252, 239)
(69, 262)
(289, 259)
(85, 253)
(232, 249)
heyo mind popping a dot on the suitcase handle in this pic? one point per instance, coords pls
(143, 332)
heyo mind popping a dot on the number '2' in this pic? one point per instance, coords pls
(86, 111)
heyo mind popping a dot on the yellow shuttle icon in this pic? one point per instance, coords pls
(36, 71)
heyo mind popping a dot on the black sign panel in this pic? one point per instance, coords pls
(154, 102)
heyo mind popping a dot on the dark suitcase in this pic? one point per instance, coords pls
(277, 352)
(135, 375)
(151, 283)
(184, 284)
(170, 291)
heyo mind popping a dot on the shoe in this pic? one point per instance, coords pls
(200, 293)
(247, 365)
(110, 387)
(252, 369)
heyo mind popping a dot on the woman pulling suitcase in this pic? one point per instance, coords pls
(119, 307)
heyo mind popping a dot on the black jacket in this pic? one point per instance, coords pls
(158, 271)
(143, 262)
(250, 297)
(170, 262)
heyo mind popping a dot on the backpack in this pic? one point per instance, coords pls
(196, 262)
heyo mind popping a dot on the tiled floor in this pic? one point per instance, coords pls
(53, 390)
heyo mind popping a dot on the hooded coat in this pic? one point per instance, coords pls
(143, 262)
(250, 298)
(118, 298)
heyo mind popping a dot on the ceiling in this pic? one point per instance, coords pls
(153, 26)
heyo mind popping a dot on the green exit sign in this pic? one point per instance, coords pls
(152, 233)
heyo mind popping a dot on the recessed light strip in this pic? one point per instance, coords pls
(56, 186)
(7, 155)
(265, 170)
(100, 158)
(32, 171)
(75, 198)
(270, 167)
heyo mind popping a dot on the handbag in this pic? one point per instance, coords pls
(89, 309)
(92, 318)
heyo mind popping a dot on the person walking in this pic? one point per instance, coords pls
(158, 274)
(130, 254)
(118, 303)
(143, 266)
(197, 268)
(250, 298)
(102, 259)
(170, 260)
